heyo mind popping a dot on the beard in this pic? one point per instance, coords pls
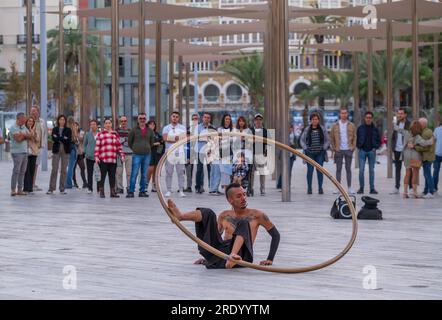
(244, 206)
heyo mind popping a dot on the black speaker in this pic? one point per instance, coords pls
(340, 209)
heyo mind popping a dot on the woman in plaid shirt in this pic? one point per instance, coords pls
(107, 147)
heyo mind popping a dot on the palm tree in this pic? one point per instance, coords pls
(402, 73)
(14, 88)
(319, 39)
(72, 53)
(249, 72)
(306, 96)
(337, 85)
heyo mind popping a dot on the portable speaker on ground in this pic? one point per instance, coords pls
(340, 209)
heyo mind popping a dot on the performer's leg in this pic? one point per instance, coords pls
(194, 215)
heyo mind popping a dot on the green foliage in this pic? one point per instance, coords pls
(248, 71)
(336, 85)
(14, 89)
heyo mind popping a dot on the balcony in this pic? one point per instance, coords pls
(21, 39)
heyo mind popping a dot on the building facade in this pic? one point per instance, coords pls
(219, 93)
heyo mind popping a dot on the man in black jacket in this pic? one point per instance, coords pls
(397, 146)
(368, 141)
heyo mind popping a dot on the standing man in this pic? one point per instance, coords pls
(398, 145)
(437, 162)
(204, 127)
(190, 152)
(19, 152)
(42, 133)
(259, 153)
(173, 132)
(141, 140)
(123, 131)
(343, 144)
(428, 157)
(368, 141)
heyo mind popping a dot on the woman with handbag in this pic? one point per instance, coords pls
(157, 153)
(412, 159)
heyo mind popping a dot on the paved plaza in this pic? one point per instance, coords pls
(128, 248)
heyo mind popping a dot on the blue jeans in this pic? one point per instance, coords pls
(71, 165)
(363, 156)
(429, 184)
(215, 177)
(143, 161)
(319, 158)
(291, 162)
(436, 170)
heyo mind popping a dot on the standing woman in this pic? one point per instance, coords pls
(315, 142)
(80, 156)
(73, 152)
(157, 153)
(61, 148)
(107, 148)
(89, 152)
(33, 150)
(226, 150)
(412, 159)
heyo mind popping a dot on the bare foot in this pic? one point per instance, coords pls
(176, 212)
(200, 261)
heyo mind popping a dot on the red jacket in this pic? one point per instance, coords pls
(108, 146)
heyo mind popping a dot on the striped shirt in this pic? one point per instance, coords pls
(315, 146)
(108, 146)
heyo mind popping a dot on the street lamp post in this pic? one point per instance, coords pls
(28, 55)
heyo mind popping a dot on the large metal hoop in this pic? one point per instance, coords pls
(222, 255)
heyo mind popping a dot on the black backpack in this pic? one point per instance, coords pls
(370, 209)
(340, 209)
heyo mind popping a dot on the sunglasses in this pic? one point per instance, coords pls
(123, 120)
(142, 118)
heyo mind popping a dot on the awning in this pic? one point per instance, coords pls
(159, 11)
(361, 45)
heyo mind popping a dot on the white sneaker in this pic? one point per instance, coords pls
(428, 196)
(182, 195)
(89, 191)
(395, 191)
(168, 194)
(351, 191)
(336, 192)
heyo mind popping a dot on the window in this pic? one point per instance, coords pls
(121, 66)
(234, 92)
(134, 66)
(300, 87)
(191, 90)
(211, 93)
(135, 97)
(295, 62)
(331, 61)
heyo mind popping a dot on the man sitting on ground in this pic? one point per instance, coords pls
(239, 226)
